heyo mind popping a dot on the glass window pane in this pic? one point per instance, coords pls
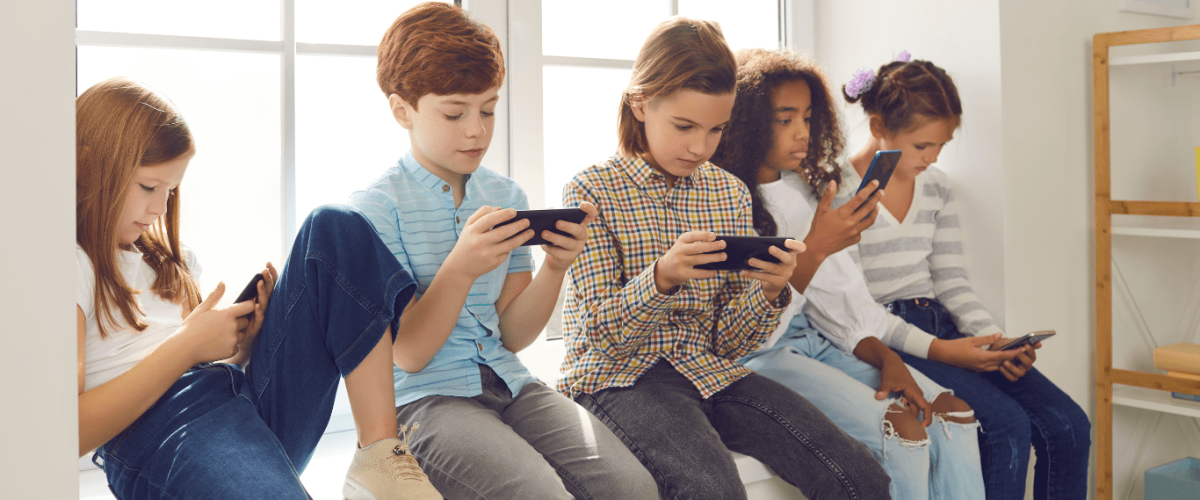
(231, 213)
(614, 29)
(745, 23)
(247, 19)
(350, 22)
(345, 134)
(591, 136)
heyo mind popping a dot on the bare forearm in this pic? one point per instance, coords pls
(807, 264)
(523, 320)
(107, 410)
(874, 352)
(427, 323)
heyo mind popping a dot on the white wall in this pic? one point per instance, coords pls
(964, 38)
(1046, 87)
(38, 426)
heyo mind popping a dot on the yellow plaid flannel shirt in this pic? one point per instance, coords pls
(616, 323)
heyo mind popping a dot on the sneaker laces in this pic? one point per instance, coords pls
(407, 467)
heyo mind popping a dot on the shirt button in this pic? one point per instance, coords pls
(480, 347)
(445, 188)
(456, 219)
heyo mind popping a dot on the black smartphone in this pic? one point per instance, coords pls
(544, 220)
(1028, 339)
(251, 290)
(740, 249)
(882, 166)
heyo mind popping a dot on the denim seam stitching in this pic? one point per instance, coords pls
(851, 490)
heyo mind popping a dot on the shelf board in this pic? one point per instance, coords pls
(1154, 58)
(1167, 227)
(1150, 399)
(1157, 208)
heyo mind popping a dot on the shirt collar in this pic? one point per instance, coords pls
(426, 178)
(640, 172)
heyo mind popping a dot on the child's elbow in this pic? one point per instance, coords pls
(410, 364)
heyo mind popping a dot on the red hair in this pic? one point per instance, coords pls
(434, 48)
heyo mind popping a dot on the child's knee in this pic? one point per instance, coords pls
(953, 409)
(902, 424)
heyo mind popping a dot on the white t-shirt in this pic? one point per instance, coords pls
(837, 300)
(106, 359)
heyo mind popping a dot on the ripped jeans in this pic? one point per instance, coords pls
(943, 466)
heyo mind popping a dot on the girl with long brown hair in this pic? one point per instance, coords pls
(652, 341)
(182, 398)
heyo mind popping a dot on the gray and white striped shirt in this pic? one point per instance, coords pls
(921, 256)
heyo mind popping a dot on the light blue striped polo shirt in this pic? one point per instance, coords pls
(413, 212)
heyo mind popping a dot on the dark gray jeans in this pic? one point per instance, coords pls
(539, 445)
(685, 440)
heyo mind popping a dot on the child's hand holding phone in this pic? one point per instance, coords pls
(1026, 346)
(563, 250)
(833, 230)
(775, 276)
(482, 246)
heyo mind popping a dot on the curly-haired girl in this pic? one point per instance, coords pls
(783, 142)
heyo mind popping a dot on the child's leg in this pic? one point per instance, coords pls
(590, 460)
(762, 418)
(372, 394)
(469, 452)
(1061, 435)
(200, 440)
(1004, 440)
(339, 292)
(661, 420)
(895, 438)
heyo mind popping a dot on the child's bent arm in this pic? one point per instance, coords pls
(428, 321)
(614, 316)
(525, 305)
(744, 317)
(107, 410)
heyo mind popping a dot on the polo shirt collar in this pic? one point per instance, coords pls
(426, 178)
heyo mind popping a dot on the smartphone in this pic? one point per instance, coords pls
(251, 290)
(249, 293)
(544, 220)
(740, 249)
(882, 166)
(1028, 339)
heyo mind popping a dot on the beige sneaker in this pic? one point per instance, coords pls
(387, 470)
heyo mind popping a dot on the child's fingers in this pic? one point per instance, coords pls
(703, 258)
(591, 211)
(577, 231)
(795, 246)
(484, 210)
(697, 236)
(511, 243)
(700, 248)
(560, 241)
(503, 232)
(827, 197)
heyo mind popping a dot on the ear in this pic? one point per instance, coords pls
(401, 111)
(638, 103)
(878, 131)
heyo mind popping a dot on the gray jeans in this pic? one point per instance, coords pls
(538, 445)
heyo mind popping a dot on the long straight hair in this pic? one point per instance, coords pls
(119, 126)
(680, 53)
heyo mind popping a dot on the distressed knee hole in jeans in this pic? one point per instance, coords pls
(956, 419)
(890, 431)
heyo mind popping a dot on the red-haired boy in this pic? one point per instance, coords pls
(488, 428)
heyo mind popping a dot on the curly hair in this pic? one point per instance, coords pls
(750, 135)
(904, 92)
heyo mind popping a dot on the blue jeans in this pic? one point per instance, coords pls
(219, 432)
(1013, 415)
(943, 466)
(685, 440)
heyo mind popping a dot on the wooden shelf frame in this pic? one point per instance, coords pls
(1106, 375)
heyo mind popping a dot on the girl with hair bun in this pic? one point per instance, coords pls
(913, 263)
(783, 141)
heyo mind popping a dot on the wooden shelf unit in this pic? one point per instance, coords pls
(1106, 207)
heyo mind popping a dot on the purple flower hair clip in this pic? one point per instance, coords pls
(903, 56)
(860, 82)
